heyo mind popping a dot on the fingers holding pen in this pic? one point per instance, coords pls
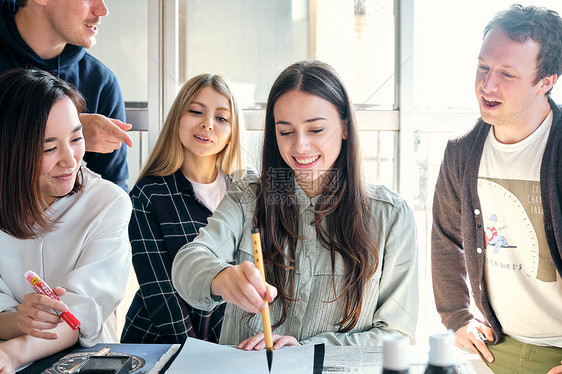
(35, 314)
(485, 332)
(234, 285)
(242, 285)
(270, 293)
(474, 335)
(45, 302)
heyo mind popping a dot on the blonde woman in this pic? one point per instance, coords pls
(183, 181)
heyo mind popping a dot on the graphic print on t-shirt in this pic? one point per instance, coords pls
(515, 223)
(493, 234)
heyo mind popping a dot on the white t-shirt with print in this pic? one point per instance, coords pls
(524, 287)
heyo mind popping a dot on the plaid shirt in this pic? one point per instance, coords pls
(166, 215)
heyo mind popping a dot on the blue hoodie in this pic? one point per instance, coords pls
(92, 78)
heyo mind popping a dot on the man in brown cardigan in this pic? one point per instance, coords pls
(497, 230)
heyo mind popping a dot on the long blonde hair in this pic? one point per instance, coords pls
(167, 156)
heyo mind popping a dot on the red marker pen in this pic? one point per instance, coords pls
(40, 287)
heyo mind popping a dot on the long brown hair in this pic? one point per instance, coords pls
(167, 156)
(342, 214)
(26, 99)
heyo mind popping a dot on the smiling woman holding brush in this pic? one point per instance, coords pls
(340, 255)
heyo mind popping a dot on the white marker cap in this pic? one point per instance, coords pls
(441, 349)
(395, 352)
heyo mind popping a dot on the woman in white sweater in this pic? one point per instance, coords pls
(57, 219)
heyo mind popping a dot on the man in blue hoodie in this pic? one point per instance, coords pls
(52, 35)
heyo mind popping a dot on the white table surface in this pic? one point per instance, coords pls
(363, 360)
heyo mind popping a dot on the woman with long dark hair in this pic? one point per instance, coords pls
(57, 219)
(340, 255)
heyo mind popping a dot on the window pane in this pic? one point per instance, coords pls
(251, 41)
(447, 41)
(372, 60)
(378, 150)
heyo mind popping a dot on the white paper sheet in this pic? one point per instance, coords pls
(201, 357)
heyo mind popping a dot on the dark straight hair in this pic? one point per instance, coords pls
(26, 99)
(342, 212)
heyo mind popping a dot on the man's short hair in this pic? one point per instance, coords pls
(21, 3)
(542, 25)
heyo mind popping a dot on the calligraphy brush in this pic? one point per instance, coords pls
(258, 260)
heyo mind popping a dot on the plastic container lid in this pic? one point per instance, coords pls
(395, 352)
(441, 349)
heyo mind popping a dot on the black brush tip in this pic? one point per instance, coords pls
(269, 354)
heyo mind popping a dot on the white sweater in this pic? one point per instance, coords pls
(88, 253)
